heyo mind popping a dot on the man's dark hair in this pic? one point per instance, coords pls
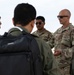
(24, 13)
(41, 18)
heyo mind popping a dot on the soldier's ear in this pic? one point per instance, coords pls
(13, 21)
(32, 23)
(44, 23)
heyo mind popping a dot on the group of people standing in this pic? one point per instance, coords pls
(62, 40)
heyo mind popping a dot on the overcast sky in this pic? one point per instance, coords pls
(47, 8)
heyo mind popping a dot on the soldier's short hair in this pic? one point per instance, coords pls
(41, 18)
(24, 13)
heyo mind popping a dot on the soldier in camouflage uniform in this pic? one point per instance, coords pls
(64, 42)
(24, 19)
(42, 32)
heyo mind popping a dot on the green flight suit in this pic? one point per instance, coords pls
(46, 36)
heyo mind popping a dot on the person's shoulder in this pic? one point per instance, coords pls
(34, 32)
(47, 31)
(41, 42)
(37, 38)
(71, 26)
(58, 31)
(13, 29)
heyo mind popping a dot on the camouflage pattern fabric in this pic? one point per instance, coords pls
(64, 41)
(46, 36)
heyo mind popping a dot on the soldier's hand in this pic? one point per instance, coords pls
(57, 52)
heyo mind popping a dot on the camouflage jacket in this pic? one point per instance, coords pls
(64, 41)
(50, 66)
(45, 35)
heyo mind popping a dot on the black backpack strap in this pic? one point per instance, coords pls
(37, 62)
(33, 46)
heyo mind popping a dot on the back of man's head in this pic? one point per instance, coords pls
(24, 13)
(40, 18)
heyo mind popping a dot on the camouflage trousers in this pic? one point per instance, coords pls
(65, 70)
(64, 64)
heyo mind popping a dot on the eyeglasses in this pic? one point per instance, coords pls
(39, 23)
(60, 17)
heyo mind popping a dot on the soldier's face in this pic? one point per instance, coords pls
(39, 24)
(63, 17)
